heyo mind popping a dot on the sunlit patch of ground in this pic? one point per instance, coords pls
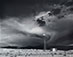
(34, 53)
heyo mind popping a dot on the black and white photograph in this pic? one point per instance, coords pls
(36, 28)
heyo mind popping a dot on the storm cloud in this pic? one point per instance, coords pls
(15, 33)
(18, 28)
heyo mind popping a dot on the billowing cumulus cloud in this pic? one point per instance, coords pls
(15, 33)
(25, 32)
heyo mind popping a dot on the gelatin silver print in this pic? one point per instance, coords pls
(36, 28)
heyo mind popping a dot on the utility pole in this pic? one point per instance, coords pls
(45, 42)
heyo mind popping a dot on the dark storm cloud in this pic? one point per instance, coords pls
(64, 29)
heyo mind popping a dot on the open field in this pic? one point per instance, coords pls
(34, 53)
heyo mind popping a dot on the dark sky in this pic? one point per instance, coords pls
(23, 7)
(17, 7)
